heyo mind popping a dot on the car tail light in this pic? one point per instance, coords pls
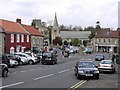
(112, 65)
(99, 65)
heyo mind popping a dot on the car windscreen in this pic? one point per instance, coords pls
(47, 54)
(106, 62)
(99, 55)
(86, 65)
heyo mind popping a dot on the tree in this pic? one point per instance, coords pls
(57, 40)
(75, 42)
(98, 25)
(65, 42)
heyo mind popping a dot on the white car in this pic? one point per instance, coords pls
(107, 66)
(23, 59)
(13, 63)
(31, 60)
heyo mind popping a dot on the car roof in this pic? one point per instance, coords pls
(107, 60)
(85, 61)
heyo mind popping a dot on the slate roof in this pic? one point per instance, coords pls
(107, 34)
(75, 34)
(11, 27)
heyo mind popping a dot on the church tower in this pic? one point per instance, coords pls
(55, 31)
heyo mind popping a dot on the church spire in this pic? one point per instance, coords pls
(55, 23)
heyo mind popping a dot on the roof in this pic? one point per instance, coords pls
(75, 34)
(32, 30)
(11, 27)
(107, 34)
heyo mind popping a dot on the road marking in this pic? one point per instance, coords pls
(77, 85)
(22, 71)
(32, 69)
(64, 71)
(39, 78)
(12, 85)
(14, 73)
(49, 75)
(44, 76)
(39, 68)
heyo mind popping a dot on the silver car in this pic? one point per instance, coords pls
(107, 66)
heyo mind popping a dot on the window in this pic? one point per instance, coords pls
(33, 41)
(27, 38)
(103, 40)
(99, 40)
(22, 38)
(18, 38)
(109, 40)
(12, 50)
(12, 38)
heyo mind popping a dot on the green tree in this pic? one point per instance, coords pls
(75, 42)
(98, 25)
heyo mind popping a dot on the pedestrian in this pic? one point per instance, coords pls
(113, 58)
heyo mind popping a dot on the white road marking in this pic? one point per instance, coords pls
(49, 75)
(12, 85)
(39, 77)
(22, 71)
(14, 73)
(32, 69)
(64, 71)
(39, 68)
(44, 76)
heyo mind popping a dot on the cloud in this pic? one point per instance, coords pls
(69, 12)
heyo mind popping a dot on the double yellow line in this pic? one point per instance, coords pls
(77, 85)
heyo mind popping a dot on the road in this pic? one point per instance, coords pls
(60, 75)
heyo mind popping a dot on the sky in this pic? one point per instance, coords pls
(82, 13)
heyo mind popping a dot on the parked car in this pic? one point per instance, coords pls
(22, 59)
(49, 57)
(33, 55)
(88, 50)
(3, 69)
(99, 57)
(5, 59)
(13, 60)
(86, 69)
(107, 66)
(31, 60)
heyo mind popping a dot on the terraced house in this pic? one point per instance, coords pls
(36, 37)
(106, 41)
(17, 38)
(2, 35)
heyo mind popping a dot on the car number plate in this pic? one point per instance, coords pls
(89, 74)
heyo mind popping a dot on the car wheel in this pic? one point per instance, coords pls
(75, 74)
(53, 62)
(97, 77)
(21, 63)
(30, 62)
(5, 73)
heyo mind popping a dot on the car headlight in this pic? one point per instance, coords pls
(96, 71)
(81, 71)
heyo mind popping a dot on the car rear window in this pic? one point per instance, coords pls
(106, 62)
(86, 65)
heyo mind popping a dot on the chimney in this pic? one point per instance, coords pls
(18, 21)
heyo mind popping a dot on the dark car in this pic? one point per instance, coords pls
(86, 69)
(5, 59)
(99, 57)
(3, 69)
(49, 58)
